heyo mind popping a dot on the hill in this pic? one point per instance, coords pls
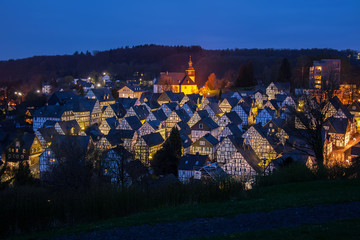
(121, 63)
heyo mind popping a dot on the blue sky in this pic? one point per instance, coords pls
(47, 27)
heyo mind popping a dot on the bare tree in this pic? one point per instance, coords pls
(74, 165)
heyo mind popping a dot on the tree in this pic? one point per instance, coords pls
(22, 175)
(166, 160)
(75, 162)
(284, 71)
(3, 167)
(245, 76)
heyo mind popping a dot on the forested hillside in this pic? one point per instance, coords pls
(151, 59)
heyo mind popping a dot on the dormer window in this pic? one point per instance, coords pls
(201, 126)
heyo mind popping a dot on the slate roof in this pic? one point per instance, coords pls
(66, 126)
(182, 115)
(184, 127)
(338, 125)
(192, 162)
(114, 139)
(247, 152)
(127, 103)
(186, 141)
(61, 97)
(215, 108)
(208, 121)
(118, 109)
(234, 129)
(191, 105)
(211, 139)
(112, 122)
(54, 111)
(102, 94)
(155, 124)
(160, 115)
(141, 111)
(134, 122)
(173, 78)
(153, 139)
(47, 133)
(121, 134)
(234, 118)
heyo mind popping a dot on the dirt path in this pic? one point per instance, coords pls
(225, 225)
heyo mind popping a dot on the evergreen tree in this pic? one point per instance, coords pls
(166, 160)
(246, 76)
(284, 71)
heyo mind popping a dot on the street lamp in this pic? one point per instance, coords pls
(264, 164)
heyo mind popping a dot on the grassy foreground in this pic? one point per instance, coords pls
(349, 229)
(261, 199)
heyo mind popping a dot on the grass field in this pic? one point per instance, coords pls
(348, 230)
(261, 199)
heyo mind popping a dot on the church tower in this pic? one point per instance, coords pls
(191, 71)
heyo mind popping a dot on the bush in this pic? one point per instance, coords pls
(293, 172)
(27, 208)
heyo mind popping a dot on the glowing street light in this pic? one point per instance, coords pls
(38, 91)
(98, 85)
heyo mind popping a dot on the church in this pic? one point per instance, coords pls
(177, 81)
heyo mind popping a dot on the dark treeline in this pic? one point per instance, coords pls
(121, 63)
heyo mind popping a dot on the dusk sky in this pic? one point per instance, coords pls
(45, 27)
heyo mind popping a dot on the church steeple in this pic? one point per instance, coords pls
(190, 71)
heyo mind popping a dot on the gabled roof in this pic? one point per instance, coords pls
(103, 94)
(160, 115)
(127, 103)
(61, 97)
(211, 139)
(232, 101)
(113, 139)
(185, 140)
(54, 111)
(47, 133)
(121, 134)
(215, 108)
(145, 96)
(118, 109)
(338, 125)
(112, 122)
(155, 124)
(153, 139)
(234, 129)
(94, 132)
(283, 86)
(187, 81)
(141, 111)
(208, 121)
(66, 127)
(191, 105)
(135, 88)
(182, 115)
(173, 78)
(234, 118)
(134, 122)
(192, 162)
(171, 105)
(194, 97)
(202, 113)
(184, 127)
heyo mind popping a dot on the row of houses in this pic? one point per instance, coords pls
(243, 132)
